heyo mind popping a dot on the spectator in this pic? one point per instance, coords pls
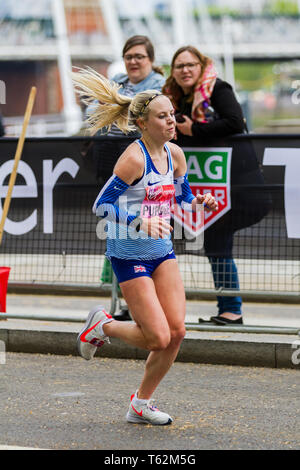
(142, 74)
(209, 110)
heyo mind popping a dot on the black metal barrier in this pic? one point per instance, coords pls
(50, 233)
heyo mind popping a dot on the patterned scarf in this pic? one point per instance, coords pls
(202, 93)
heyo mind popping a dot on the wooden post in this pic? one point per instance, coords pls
(18, 154)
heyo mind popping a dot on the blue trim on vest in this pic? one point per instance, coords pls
(150, 164)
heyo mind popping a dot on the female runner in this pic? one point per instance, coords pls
(135, 204)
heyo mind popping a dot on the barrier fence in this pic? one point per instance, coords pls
(50, 234)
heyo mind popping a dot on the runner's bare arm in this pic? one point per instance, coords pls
(130, 165)
(179, 161)
(128, 168)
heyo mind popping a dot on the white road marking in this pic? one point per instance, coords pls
(18, 448)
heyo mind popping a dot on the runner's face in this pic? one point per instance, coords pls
(160, 124)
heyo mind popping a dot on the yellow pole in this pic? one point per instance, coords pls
(18, 154)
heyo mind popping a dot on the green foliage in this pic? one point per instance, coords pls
(271, 7)
(254, 75)
(281, 7)
(216, 11)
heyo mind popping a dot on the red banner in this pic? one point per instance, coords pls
(4, 273)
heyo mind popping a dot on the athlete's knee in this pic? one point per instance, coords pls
(178, 334)
(159, 341)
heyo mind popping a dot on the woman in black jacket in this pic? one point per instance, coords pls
(207, 110)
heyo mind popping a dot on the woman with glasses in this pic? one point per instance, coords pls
(208, 110)
(142, 74)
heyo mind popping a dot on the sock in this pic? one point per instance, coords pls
(100, 327)
(139, 401)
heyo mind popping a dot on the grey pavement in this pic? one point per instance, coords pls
(64, 402)
(276, 345)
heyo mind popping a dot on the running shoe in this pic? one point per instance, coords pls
(141, 411)
(92, 336)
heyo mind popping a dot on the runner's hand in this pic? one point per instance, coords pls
(156, 227)
(209, 202)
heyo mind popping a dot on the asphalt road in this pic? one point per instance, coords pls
(64, 402)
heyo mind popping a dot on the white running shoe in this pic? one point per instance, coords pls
(92, 336)
(141, 411)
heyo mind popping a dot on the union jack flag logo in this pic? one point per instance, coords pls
(139, 269)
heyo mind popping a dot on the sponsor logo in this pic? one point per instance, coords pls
(140, 413)
(158, 201)
(208, 171)
(154, 193)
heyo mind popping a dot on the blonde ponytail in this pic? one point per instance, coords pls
(112, 108)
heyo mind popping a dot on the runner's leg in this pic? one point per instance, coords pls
(158, 308)
(150, 330)
(170, 292)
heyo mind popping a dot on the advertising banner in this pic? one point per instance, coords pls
(208, 170)
(254, 178)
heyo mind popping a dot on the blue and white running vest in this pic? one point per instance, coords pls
(152, 195)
